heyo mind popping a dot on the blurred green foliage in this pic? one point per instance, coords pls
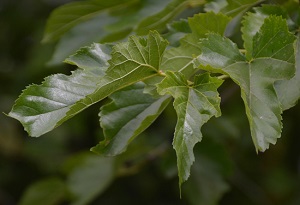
(57, 169)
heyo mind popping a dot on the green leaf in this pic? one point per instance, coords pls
(176, 31)
(273, 55)
(231, 7)
(67, 16)
(91, 58)
(49, 191)
(108, 25)
(234, 8)
(42, 108)
(80, 36)
(89, 178)
(194, 104)
(289, 97)
(159, 20)
(253, 21)
(129, 114)
(274, 40)
(251, 25)
(182, 58)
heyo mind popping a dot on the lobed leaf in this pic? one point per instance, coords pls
(129, 114)
(42, 108)
(273, 61)
(195, 105)
(251, 25)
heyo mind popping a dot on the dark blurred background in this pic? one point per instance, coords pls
(150, 177)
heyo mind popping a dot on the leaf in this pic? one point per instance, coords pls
(272, 60)
(182, 58)
(253, 21)
(91, 58)
(159, 20)
(231, 7)
(289, 97)
(42, 108)
(176, 31)
(67, 16)
(105, 25)
(195, 105)
(49, 191)
(80, 36)
(89, 178)
(129, 114)
(234, 9)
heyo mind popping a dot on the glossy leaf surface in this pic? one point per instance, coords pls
(42, 108)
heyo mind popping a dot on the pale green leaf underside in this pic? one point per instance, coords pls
(256, 78)
(195, 105)
(182, 58)
(251, 25)
(44, 107)
(288, 91)
(129, 114)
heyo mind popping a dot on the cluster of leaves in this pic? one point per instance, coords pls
(144, 74)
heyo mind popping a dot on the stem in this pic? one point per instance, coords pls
(223, 77)
(161, 73)
(243, 51)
